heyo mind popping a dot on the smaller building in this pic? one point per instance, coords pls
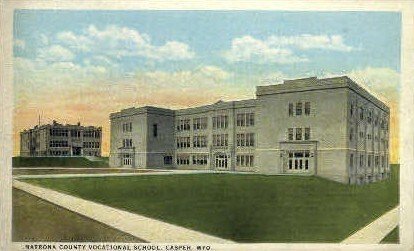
(61, 140)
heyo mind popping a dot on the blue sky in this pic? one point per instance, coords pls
(374, 37)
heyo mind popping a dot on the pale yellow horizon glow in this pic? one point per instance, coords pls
(91, 104)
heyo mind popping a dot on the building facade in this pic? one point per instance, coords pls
(61, 140)
(327, 127)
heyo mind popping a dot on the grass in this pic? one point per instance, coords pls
(36, 171)
(57, 162)
(38, 220)
(392, 237)
(244, 208)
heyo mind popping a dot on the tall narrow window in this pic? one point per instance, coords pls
(361, 113)
(351, 160)
(155, 130)
(307, 133)
(290, 134)
(298, 108)
(351, 134)
(361, 160)
(307, 108)
(290, 109)
(351, 110)
(298, 133)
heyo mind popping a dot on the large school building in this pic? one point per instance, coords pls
(327, 127)
(55, 139)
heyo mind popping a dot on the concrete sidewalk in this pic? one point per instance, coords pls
(155, 172)
(375, 231)
(142, 227)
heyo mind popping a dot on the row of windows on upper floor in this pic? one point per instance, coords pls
(368, 136)
(372, 160)
(64, 143)
(242, 140)
(246, 119)
(74, 133)
(369, 116)
(297, 109)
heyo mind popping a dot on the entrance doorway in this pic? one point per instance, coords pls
(127, 160)
(76, 151)
(299, 161)
(221, 161)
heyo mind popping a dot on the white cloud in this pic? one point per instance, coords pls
(118, 42)
(247, 49)
(384, 83)
(281, 49)
(80, 43)
(273, 78)
(307, 42)
(55, 53)
(44, 40)
(44, 75)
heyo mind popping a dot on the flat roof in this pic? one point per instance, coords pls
(313, 84)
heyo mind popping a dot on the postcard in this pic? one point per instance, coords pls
(207, 126)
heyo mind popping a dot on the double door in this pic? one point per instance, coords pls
(221, 161)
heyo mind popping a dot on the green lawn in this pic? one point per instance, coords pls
(37, 220)
(57, 162)
(244, 208)
(392, 237)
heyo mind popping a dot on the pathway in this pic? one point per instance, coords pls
(142, 227)
(375, 231)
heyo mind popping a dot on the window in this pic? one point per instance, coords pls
(307, 108)
(245, 160)
(58, 143)
(200, 159)
(250, 119)
(361, 113)
(298, 133)
(200, 123)
(168, 160)
(369, 160)
(245, 139)
(199, 141)
(183, 125)
(127, 127)
(290, 134)
(155, 130)
(127, 143)
(369, 118)
(220, 121)
(245, 119)
(361, 160)
(183, 160)
(307, 133)
(59, 132)
(220, 139)
(298, 108)
(351, 134)
(183, 142)
(351, 110)
(290, 109)
(351, 160)
(240, 120)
